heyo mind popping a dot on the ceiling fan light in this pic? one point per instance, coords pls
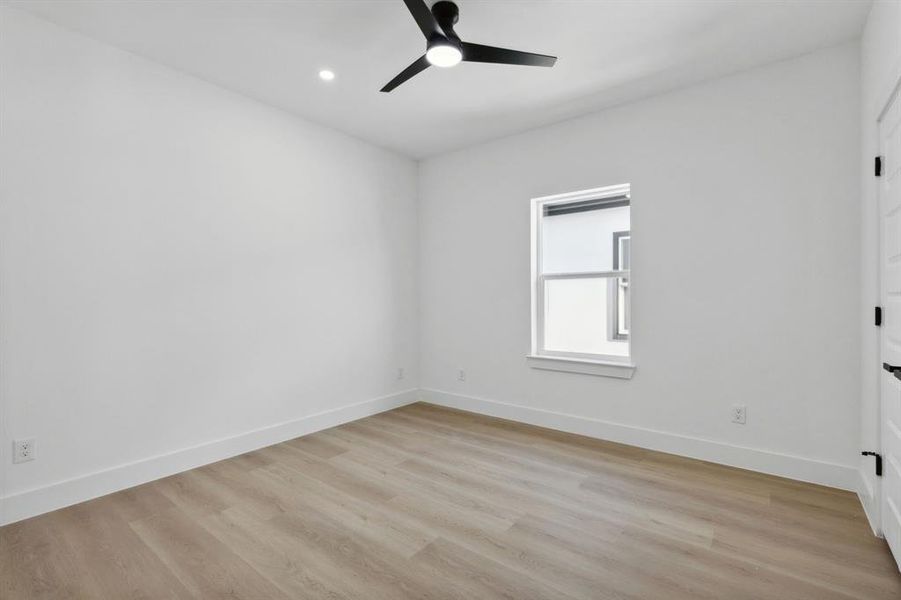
(443, 55)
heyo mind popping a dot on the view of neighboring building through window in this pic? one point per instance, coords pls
(620, 296)
(581, 267)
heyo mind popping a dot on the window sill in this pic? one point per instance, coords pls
(600, 368)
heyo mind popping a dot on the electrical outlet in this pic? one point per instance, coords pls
(23, 450)
(739, 414)
(461, 375)
(400, 373)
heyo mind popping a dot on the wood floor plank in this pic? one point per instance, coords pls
(481, 576)
(34, 563)
(126, 569)
(296, 567)
(318, 445)
(328, 473)
(204, 565)
(378, 573)
(491, 512)
(369, 519)
(429, 502)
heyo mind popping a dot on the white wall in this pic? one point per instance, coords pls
(746, 257)
(181, 265)
(880, 72)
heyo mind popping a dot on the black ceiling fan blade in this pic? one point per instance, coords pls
(491, 54)
(420, 65)
(424, 18)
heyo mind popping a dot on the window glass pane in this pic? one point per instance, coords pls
(582, 241)
(577, 317)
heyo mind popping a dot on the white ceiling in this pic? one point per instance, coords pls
(609, 52)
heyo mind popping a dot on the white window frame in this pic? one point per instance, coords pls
(539, 357)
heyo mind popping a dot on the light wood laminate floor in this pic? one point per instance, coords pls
(427, 502)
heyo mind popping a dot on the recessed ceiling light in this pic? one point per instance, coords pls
(326, 75)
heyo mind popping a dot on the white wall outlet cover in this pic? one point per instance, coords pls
(740, 414)
(23, 450)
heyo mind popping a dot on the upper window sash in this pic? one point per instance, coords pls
(557, 251)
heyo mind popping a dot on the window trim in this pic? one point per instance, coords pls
(602, 368)
(538, 357)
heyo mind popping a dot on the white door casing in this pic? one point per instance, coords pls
(890, 220)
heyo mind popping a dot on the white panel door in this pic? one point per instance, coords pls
(890, 216)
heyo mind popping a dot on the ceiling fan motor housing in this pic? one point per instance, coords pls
(447, 14)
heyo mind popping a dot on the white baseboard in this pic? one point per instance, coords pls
(30, 503)
(784, 465)
(868, 499)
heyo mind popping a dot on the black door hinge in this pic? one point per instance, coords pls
(878, 166)
(878, 458)
(877, 316)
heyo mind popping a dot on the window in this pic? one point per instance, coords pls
(581, 261)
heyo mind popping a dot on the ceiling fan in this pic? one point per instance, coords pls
(444, 48)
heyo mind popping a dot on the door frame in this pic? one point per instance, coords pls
(874, 511)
